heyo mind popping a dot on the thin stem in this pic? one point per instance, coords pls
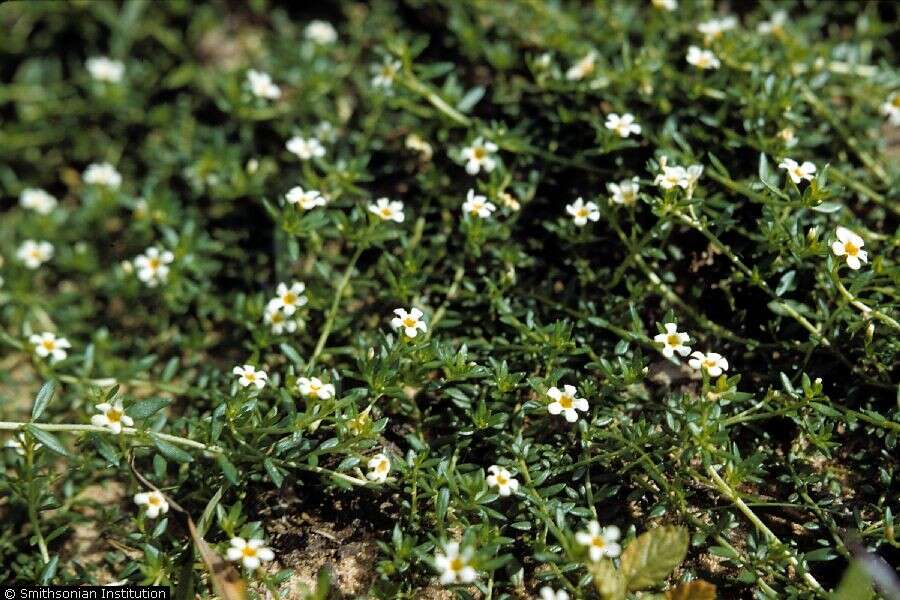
(75, 427)
(333, 310)
(866, 310)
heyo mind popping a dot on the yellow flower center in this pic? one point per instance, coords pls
(566, 401)
(598, 542)
(409, 322)
(710, 363)
(479, 152)
(703, 61)
(289, 298)
(382, 466)
(249, 376)
(153, 500)
(386, 212)
(114, 415)
(850, 249)
(153, 263)
(48, 344)
(501, 479)
(36, 254)
(582, 212)
(673, 340)
(896, 101)
(248, 551)
(456, 564)
(277, 317)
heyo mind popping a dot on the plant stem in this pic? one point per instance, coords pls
(866, 310)
(333, 310)
(75, 427)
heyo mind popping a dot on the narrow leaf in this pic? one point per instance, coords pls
(44, 395)
(47, 439)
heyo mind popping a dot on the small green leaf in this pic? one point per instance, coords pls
(47, 439)
(855, 584)
(228, 469)
(146, 408)
(171, 451)
(44, 395)
(652, 557)
(274, 473)
(49, 571)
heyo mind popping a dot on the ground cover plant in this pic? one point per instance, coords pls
(440, 299)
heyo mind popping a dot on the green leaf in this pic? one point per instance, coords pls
(146, 408)
(228, 469)
(274, 473)
(652, 557)
(610, 583)
(49, 571)
(171, 451)
(786, 283)
(44, 395)
(855, 584)
(47, 439)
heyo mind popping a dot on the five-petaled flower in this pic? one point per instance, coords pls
(566, 402)
(153, 266)
(105, 69)
(712, 362)
(289, 299)
(480, 155)
(501, 479)
(305, 199)
(583, 68)
(262, 86)
(34, 254)
(796, 171)
(248, 375)
(249, 552)
(582, 212)
(112, 416)
(154, 501)
(37, 200)
(673, 341)
(702, 59)
(388, 210)
(454, 565)
(672, 176)
(379, 467)
(601, 541)
(102, 174)
(850, 245)
(385, 73)
(624, 125)
(410, 322)
(47, 344)
(312, 387)
(715, 27)
(625, 192)
(305, 148)
(477, 205)
(320, 32)
(278, 321)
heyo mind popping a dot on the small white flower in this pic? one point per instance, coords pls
(103, 174)
(673, 341)
(248, 375)
(668, 5)
(306, 199)
(509, 201)
(379, 467)
(262, 86)
(454, 565)
(385, 73)
(278, 321)
(583, 68)
(47, 344)
(153, 266)
(313, 387)
(501, 479)
(250, 552)
(411, 322)
(34, 254)
(388, 210)
(714, 363)
(320, 32)
(601, 541)
(692, 176)
(289, 299)
(547, 593)
(480, 155)
(624, 125)
(582, 213)
(625, 192)
(850, 245)
(415, 142)
(798, 172)
(112, 416)
(105, 69)
(672, 176)
(715, 27)
(477, 205)
(566, 402)
(702, 59)
(775, 24)
(18, 444)
(891, 109)
(154, 501)
(37, 200)
(305, 148)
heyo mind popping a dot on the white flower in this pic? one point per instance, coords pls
(415, 142)
(278, 321)
(454, 565)
(673, 341)
(669, 5)
(37, 200)
(672, 176)
(583, 68)
(154, 501)
(261, 85)
(18, 444)
(509, 201)
(387, 210)
(891, 109)
(547, 593)
(624, 125)
(289, 299)
(307, 199)
(796, 171)
(112, 416)
(775, 24)
(714, 363)
(305, 148)
(411, 322)
(716, 27)
(320, 32)
(480, 155)
(477, 205)
(250, 552)
(582, 213)
(601, 541)
(501, 479)
(248, 375)
(313, 387)
(566, 402)
(379, 467)
(103, 174)
(153, 266)
(385, 73)
(625, 192)
(105, 69)
(692, 176)
(702, 59)
(34, 254)
(47, 344)
(850, 245)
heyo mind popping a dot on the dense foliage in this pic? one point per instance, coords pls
(704, 347)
